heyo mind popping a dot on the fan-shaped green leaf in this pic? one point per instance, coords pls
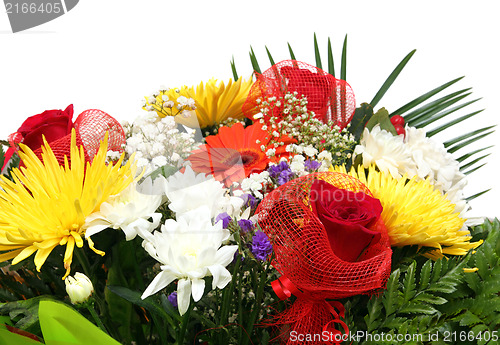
(233, 69)
(331, 65)
(452, 123)
(316, 53)
(439, 116)
(419, 100)
(343, 65)
(392, 77)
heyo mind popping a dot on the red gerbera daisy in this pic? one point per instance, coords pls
(236, 152)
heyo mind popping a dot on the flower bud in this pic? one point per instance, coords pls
(79, 288)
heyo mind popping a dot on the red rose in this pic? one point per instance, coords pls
(52, 124)
(347, 217)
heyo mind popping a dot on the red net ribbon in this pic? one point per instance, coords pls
(329, 98)
(91, 127)
(310, 269)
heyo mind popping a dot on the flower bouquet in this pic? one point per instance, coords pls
(271, 209)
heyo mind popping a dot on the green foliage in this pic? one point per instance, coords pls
(381, 118)
(437, 298)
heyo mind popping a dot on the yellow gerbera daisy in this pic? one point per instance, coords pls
(47, 204)
(213, 102)
(415, 213)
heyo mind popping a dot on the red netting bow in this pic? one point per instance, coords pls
(329, 243)
(329, 98)
(56, 125)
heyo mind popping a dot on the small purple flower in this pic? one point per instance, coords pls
(285, 176)
(172, 298)
(261, 247)
(245, 225)
(281, 172)
(249, 200)
(311, 165)
(226, 219)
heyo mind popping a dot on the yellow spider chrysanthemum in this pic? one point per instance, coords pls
(213, 102)
(415, 213)
(47, 204)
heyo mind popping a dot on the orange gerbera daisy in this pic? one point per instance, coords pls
(236, 152)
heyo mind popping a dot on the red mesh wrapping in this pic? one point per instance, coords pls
(304, 256)
(329, 98)
(93, 124)
(91, 127)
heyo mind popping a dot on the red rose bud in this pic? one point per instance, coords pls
(51, 124)
(348, 218)
(397, 120)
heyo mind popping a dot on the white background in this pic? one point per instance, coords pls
(108, 54)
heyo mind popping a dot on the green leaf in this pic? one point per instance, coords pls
(429, 298)
(343, 65)
(392, 77)
(360, 118)
(432, 111)
(372, 319)
(253, 59)
(439, 116)
(452, 123)
(471, 163)
(135, 298)
(468, 172)
(429, 107)
(425, 275)
(470, 154)
(2, 156)
(472, 197)
(418, 308)
(390, 297)
(233, 68)
(62, 325)
(316, 53)
(331, 65)
(412, 104)
(462, 144)
(9, 338)
(466, 136)
(292, 55)
(409, 283)
(381, 117)
(270, 57)
(469, 319)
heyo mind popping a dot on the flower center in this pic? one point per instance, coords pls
(243, 157)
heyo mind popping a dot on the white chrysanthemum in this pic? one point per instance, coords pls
(188, 191)
(189, 250)
(386, 151)
(433, 161)
(128, 211)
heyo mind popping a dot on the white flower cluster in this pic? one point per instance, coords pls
(157, 142)
(415, 155)
(192, 246)
(290, 116)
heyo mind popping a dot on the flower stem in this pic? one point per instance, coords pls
(185, 321)
(90, 307)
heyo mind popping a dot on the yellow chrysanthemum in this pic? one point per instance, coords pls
(47, 204)
(213, 102)
(415, 213)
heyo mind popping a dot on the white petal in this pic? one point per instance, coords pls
(161, 280)
(96, 228)
(221, 276)
(197, 287)
(225, 255)
(183, 295)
